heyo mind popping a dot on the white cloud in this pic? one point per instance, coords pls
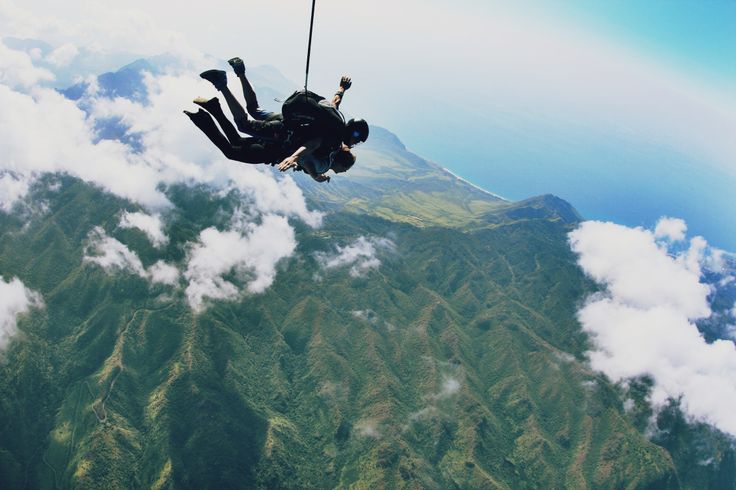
(251, 251)
(671, 228)
(99, 26)
(163, 273)
(172, 151)
(109, 253)
(63, 55)
(112, 255)
(450, 387)
(17, 69)
(15, 299)
(151, 225)
(643, 323)
(69, 146)
(12, 189)
(360, 256)
(635, 270)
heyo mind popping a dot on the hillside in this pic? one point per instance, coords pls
(453, 361)
(451, 364)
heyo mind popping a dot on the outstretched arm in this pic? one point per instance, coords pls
(345, 83)
(306, 149)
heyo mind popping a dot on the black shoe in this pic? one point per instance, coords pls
(212, 104)
(196, 116)
(218, 78)
(238, 66)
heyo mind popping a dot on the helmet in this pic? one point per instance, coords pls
(357, 131)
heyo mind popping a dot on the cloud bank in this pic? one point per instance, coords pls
(360, 256)
(643, 323)
(15, 299)
(161, 148)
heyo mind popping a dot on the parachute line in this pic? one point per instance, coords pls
(309, 45)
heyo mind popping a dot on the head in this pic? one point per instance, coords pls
(357, 132)
(341, 160)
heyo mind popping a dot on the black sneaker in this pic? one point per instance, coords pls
(197, 116)
(238, 66)
(211, 105)
(218, 78)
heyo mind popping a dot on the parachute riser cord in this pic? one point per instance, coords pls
(309, 45)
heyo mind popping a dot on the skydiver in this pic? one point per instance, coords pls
(264, 150)
(323, 143)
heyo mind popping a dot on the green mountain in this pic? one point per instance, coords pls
(458, 363)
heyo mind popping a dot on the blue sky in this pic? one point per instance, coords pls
(699, 36)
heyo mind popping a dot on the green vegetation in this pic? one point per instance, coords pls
(456, 364)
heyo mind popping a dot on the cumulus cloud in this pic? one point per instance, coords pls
(360, 255)
(69, 145)
(673, 229)
(151, 225)
(112, 255)
(109, 253)
(163, 273)
(15, 299)
(637, 271)
(643, 321)
(250, 250)
(18, 71)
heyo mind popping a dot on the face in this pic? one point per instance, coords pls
(337, 166)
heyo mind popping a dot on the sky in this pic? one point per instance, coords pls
(626, 109)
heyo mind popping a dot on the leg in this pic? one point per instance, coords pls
(251, 150)
(213, 107)
(236, 109)
(239, 115)
(272, 130)
(251, 101)
(218, 78)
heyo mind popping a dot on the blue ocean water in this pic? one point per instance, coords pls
(606, 177)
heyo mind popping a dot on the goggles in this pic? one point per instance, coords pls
(356, 138)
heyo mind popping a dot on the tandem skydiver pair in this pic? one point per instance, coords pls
(309, 134)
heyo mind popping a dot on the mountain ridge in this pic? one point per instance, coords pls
(456, 361)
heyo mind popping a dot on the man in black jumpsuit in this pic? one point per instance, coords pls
(317, 149)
